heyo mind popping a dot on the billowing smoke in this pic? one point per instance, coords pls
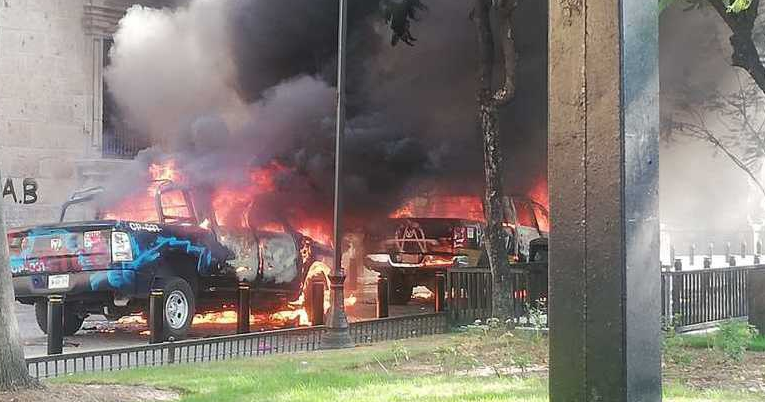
(701, 189)
(229, 86)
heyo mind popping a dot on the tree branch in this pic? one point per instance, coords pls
(701, 130)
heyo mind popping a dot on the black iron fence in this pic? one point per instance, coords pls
(120, 141)
(231, 346)
(393, 328)
(691, 299)
(469, 293)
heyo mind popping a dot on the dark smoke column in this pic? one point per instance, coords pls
(338, 335)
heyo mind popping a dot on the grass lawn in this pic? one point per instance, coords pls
(439, 368)
(705, 341)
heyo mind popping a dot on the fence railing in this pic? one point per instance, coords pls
(393, 328)
(121, 141)
(694, 298)
(231, 346)
(469, 293)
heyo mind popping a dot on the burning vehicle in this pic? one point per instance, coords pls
(109, 265)
(423, 245)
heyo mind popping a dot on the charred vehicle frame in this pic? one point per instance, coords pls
(422, 247)
(110, 266)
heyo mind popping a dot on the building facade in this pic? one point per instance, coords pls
(55, 136)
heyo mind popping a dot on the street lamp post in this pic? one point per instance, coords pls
(338, 335)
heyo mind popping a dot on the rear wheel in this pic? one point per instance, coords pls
(401, 287)
(178, 310)
(72, 319)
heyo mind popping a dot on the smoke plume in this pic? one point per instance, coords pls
(224, 87)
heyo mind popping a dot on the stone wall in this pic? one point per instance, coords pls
(46, 99)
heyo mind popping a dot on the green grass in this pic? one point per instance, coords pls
(704, 341)
(365, 374)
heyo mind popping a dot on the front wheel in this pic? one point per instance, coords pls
(72, 320)
(178, 308)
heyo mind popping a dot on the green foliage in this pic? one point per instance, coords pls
(522, 361)
(400, 353)
(738, 6)
(669, 324)
(674, 349)
(664, 4)
(674, 345)
(733, 337)
(734, 6)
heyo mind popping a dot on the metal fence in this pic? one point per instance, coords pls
(692, 299)
(392, 328)
(122, 142)
(469, 293)
(231, 346)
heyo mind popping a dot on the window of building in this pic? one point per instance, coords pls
(119, 139)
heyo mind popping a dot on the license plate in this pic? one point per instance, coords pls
(58, 282)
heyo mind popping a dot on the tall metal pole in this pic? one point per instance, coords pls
(338, 335)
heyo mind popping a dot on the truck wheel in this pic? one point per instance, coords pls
(72, 320)
(401, 288)
(178, 309)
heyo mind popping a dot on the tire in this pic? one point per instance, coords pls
(72, 320)
(400, 288)
(178, 309)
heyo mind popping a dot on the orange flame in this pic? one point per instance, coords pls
(443, 206)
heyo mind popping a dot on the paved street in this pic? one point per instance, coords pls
(98, 333)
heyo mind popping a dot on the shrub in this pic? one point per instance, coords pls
(733, 337)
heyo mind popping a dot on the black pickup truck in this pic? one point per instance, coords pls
(109, 266)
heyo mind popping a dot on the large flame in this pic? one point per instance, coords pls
(467, 207)
(456, 207)
(234, 204)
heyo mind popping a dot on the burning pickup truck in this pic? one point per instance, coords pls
(109, 266)
(422, 246)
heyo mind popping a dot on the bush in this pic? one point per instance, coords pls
(733, 337)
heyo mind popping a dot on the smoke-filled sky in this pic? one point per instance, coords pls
(700, 187)
(229, 85)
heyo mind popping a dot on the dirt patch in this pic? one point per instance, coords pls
(91, 393)
(709, 369)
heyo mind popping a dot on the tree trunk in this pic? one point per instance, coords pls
(745, 55)
(495, 236)
(489, 103)
(13, 367)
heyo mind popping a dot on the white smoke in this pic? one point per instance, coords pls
(170, 66)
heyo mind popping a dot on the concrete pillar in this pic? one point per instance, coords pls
(603, 172)
(756, 298)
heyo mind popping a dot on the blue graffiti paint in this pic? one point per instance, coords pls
(120, 278)
(18, 262)
(163, 244)
(148, 248)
